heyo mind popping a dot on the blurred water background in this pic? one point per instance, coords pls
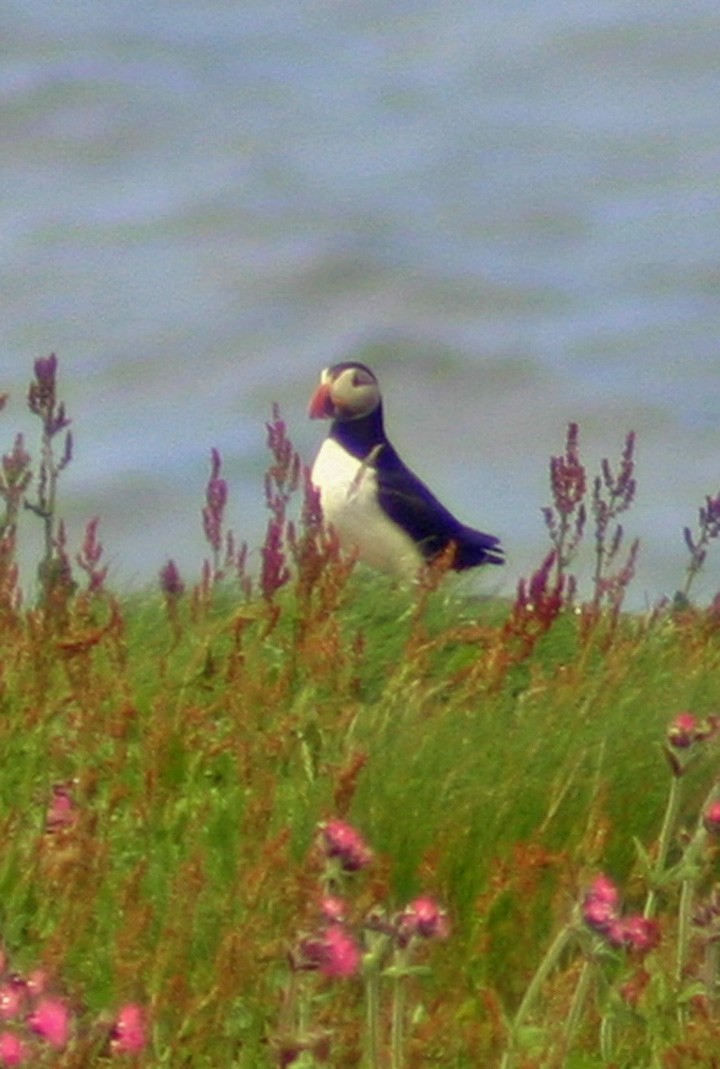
(511, 208)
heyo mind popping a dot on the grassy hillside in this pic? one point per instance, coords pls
(171, 760)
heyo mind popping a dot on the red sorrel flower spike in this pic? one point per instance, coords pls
(274, 571)
(89, 556)
(171, 583)
(342, 841)
(216, 495)
(567, 475)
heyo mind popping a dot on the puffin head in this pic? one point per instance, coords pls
(347, 391)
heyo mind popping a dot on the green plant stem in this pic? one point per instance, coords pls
(684, 910)
(710, 973)
(606, 1037)
(372, 1020)
(668, 824)
(397, 1034)
(581, 991)
(687, 893)
(556, 948)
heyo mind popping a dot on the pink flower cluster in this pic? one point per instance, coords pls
(333, 949)
(33, 1015)
(333, 952)
(342, 841)
(686, 729)
(711, 818)
(683, 734)
(424, 918)
(129, 1033)
(600, 911)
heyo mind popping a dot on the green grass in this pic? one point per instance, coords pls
(496, 756)
(204, 751)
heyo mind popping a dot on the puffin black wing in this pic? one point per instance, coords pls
(412, 506)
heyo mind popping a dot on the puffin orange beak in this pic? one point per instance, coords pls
(321, 403)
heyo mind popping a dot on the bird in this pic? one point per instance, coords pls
(377, 506)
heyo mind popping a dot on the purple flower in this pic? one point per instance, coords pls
(216, 496)
(170, 582)
(567, 475)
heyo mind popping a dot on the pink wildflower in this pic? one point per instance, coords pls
(12, 1050)
(600, 902)
(635, 932)
(51, 1020)
(711, 818)
(682, 732)
(598, 914)
(334, 952)
(36, 982)
(333, 908)
(424, 917)
(342, 841)
(61, 812)
(342, 956)
(602, 889)
(129, 1033)
(13, 995)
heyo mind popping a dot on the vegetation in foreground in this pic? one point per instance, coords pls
(305, 818)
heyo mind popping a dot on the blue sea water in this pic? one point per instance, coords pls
(511, 209)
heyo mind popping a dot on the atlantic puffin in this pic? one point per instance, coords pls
(377, 506)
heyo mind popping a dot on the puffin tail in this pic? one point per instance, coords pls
(475, 548)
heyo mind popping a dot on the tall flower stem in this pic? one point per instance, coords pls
(372, 1020)
(548, 963)
(668, 825)
(378, 943)
(578, 1001)
(397, 1033)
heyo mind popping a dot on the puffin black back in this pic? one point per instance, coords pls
(378, 506)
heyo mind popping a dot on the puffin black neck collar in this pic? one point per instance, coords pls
(360, 436)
